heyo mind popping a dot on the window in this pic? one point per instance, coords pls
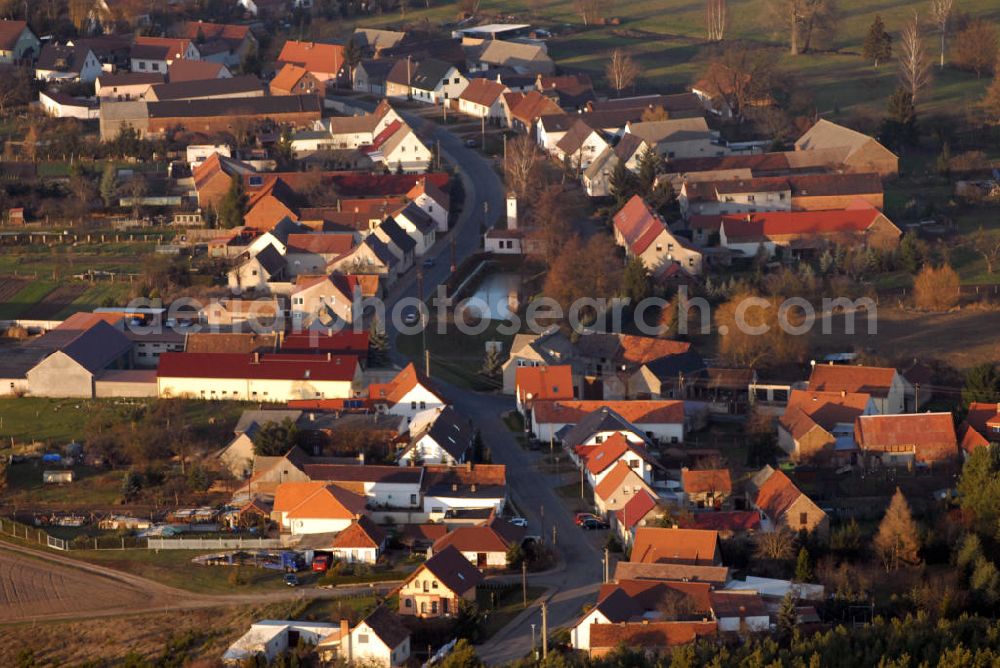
(423, 404)
(803, 518)
(750, 198)
(155, 67)
(142, 65)
(423, 607)
(407, 603)
(413, 499)
(362, 638)
(670, 247)
(434, 607)
(457, 80)
(413, 405)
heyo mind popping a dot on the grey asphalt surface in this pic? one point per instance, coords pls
(576, 581)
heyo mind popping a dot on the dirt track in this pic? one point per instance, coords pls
(36, 585)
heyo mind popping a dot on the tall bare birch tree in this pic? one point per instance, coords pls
(940, 15)
(716, 15)
(914, 65)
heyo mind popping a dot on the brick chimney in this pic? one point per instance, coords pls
(345, 641)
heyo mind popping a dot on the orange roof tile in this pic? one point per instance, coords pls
(610, 483)
(649, 635)
(328, 502)
(610, 451)
(638, 507)
(362, 533)
(970, 439)
(643, 349)
(394, 391)
(875, 381)
(637, 412)
(931, 436)
(655, 545)
(288, 76)
(708, 480)
(544, 382)
(777, 495)
(313, 56)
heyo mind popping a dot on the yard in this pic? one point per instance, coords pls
(91, 487)
(455, 357)
(500, 608)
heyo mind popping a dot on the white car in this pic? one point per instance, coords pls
(519, 522)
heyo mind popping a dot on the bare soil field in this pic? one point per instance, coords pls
(10, 287)
(32, 588)
(960, 338)
(54, 302)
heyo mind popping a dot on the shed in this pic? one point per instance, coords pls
(57, 477)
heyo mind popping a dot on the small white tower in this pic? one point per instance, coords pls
(511, 211)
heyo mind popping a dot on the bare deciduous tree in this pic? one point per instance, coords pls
(897, 541)
(940, 15)
(804, 20)
(988, 246)
(976, 47)
(589, 10)
(778, 545)
(914, 65)
(621, 70)
(520, 164)
(716, 14)
(739, 75)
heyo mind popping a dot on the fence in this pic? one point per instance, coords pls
(210, 543)
(28, 534)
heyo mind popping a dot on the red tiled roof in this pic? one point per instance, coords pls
(210, 31)
(10, 31)
(970, 439)
(777, 495)
(643, 349)
(363, 533)
(610, 451)
(638, 225)
(287, 77)
(325, 501)
(345, 342)
(394, 391)
(538, 383)
(482, 92)
(193, 70)
(788, 223)
(653, 411)
(807, 408)
(875, 381)
(708, 480)
(980, 413)
(649, 635)
(931, 436)
(315, 57)
(485, 538)
(736, 520)
(322, 244)
(532, 105)
(653, 545)
(636, 509)
(176, 46)
(610, 483)
(425, 187)
(267, 366)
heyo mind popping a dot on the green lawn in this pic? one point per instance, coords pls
(97, 296)
(174, 568)
(509, 604)
(28, 296)
(92, 487)
(455, 357)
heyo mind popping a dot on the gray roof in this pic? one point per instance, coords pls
(377, 38)
(235, 106)
(603, 419)
(129, 78)
(429, 73)
(61, 58)
(377, 70)
(380, 250)
(271, 260)
(260, 417)
(189, 90)
(452, 432)
(681, 129)
(399, 238)
(418, 217)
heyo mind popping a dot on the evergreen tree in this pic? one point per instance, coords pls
(650, 163)
(897, 541)
(878, 42)
(662, 200)
(352, 56)
(232, 206)
(943, 164)
(787, 619)
(492, 363)
(982, 384)
(623, 184)
(635, 280)
(107, 185)
(274, 439)
(803, 568)
(909, 253)
(899, 128)
(131, 485)
(378, 344)
(979, 490)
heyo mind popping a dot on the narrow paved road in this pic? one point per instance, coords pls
(575, 583)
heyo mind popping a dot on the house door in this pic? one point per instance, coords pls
(481, 560)
(444, 606)
(593, 388)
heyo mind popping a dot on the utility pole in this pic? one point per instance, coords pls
(581, 482)
(607, 564)
(482, 132)
(524, 583)
(439, 155)
(427, 362)
(545, 629)
(916, 398)
(453, 265)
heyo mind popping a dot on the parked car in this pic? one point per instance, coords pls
(411, 317)
(583, 517)
(519, 521)
(428, 263)
(593, 524)
(321, 563)
(472, 143)
(291, 580)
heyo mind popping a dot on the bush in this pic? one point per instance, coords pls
(936, 288)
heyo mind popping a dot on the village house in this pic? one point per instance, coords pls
(362, 542)
(61, 105)
(655, 638)
(783, 505)
(661, 420)
(207, 89)
(375, 40)
(580, 146)
(123, 86)
(17, 42)
(522, 58)
(551, 128)
(690, 547)
(370, 257)
(196, 70)
(57, 63)
(258, 271)
(628, 151)
(522, 110)
(315, 507)
(436, 81)
(227, 44)
(645, 235)
(599, 459)
(852, 150)
(801, 231)
(445, 438)
(370, 76)
(640, 510)
(450, 489)
(679, 138)
(257, 377)
(886, 386)
(309, 253)
(409, 393)
(709, 488)
(818, 427)
(432, 200)
(327, 299)
(387, 488)
(913, 439)
(485, 545)
(155, 54)
(268, 638)
(439, 585)
(542, 383)
(296, 80)
(325, 62)
(398, 241)
(619, 487)
(380, 639)
(482, 99)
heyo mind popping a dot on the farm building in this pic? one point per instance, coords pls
(57, 477)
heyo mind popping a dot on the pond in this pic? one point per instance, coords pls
(496, 291)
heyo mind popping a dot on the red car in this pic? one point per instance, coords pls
(583, 517)
(321, 563)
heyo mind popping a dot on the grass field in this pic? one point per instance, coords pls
(455, 357)
(26, 298)
(667, 37)
(508, 606)
(91, 487)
